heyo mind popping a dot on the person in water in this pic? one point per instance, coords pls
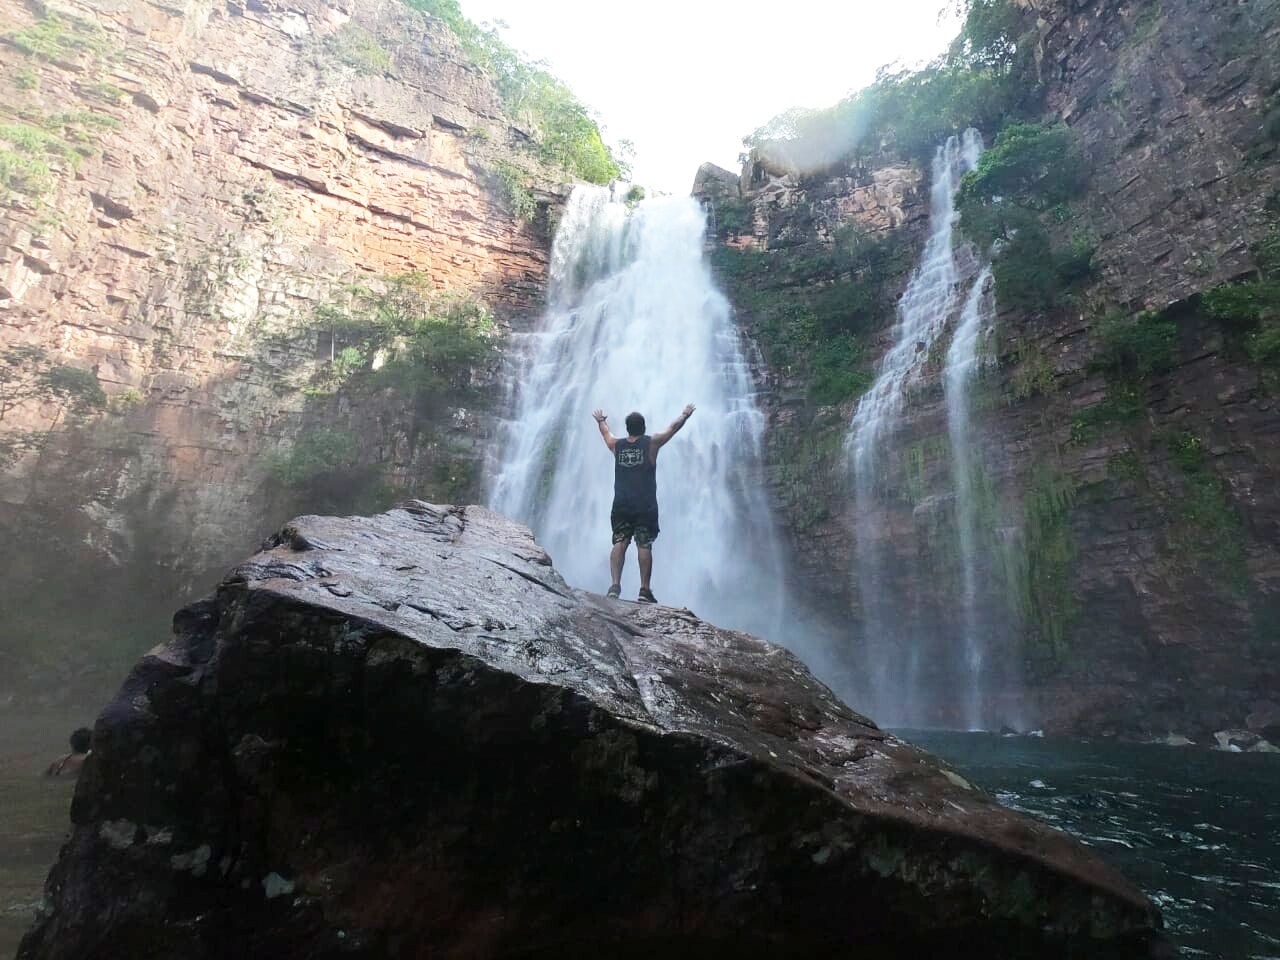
(635, 495)
(69, 765)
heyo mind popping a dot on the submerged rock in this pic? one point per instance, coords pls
(406, 736)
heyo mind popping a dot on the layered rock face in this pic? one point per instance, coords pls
(1160, 543)
(406, 736)
(244, 162)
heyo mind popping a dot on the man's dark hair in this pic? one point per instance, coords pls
(81, 740)
(635, 425)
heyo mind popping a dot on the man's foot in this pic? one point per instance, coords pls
(615, 592)
(646, 596)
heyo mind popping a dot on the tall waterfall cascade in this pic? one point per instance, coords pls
(964, 359)
(636, 324)
(924, 670)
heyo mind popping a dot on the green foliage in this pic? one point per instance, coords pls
(985, 78)
(811, 308)
(1126, 466)
(104, 91)
(1208, 529)
(806, 463)
(60, 38)
(730, 216)
(515, 189)
(1124, 404)
(1253, 306)
(840, 370)
(31, 149)
(28, 374)
(26, 79)
(409, 338)
(358, 48)
(1139, 345)
(323, 470)
(1033, 375)
(24, 175)
(319, 451)
(633, 195)
(1036, 166)
(1039, 569)
(1263, 344)
(566, 134)
(1030, 174)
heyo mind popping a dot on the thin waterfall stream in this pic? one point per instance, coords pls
(894, 688)
(964, 360)
(635, 323)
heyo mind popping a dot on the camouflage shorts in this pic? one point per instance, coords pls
(642, 528)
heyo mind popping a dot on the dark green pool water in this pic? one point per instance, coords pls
(1198, 831)
(34, 814)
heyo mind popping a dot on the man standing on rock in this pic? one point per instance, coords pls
(635, 494)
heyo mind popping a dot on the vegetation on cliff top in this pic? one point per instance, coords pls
(984, 79)
(566, 134)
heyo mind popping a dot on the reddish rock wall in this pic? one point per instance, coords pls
(254, 157)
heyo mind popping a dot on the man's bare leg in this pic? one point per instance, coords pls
(645, 556)
(617, 557)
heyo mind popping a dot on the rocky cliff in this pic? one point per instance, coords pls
(407, 736)
(183, 185)
(1128, 435)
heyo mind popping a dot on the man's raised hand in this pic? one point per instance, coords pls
(688, 410)
(599, 415)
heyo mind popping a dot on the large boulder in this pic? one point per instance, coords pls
(406, 736)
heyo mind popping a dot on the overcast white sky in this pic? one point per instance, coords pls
(686, 79)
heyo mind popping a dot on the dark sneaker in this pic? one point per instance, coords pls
(646, 596)
(614, 592)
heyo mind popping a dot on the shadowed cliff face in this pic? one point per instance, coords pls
(1157, 542)
(215, 171)
(406, 736)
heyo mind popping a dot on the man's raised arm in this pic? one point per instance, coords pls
(605, 433)
(660, 438)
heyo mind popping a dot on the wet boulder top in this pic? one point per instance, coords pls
(406, 735)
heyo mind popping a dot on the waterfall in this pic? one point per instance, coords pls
(963, 361)
(635, 323)
(893, 660)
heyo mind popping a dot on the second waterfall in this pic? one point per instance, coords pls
(635, 323)
(928, 644)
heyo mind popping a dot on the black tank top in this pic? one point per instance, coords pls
(635, 475)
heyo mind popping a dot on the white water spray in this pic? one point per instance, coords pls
(893, 662)
(635, 323)
(964, 361)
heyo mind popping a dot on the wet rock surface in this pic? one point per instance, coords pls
(406, 736)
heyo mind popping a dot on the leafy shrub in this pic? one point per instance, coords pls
(1035, 165)
(515, 189)
(1030, 173)
(358, 48)
(1038, 567)
(58, 37)
(407, 337)
(986, 77)
(31, 149)
(839, 371)
(566, 134)
(1143, 344)
(1124, 404)
(1253, 305)
(27, 374)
